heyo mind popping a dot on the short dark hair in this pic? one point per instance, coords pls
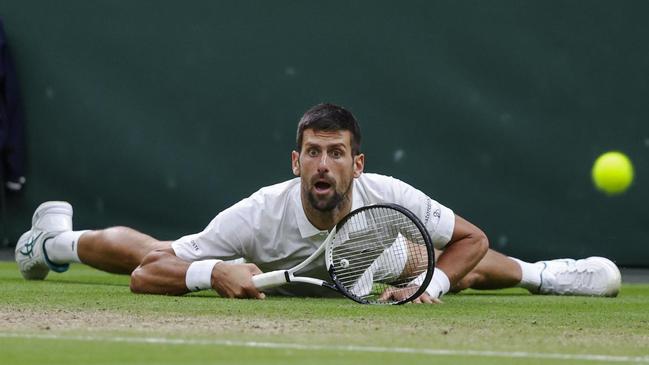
(330, 117)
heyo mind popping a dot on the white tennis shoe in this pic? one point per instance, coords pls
(593, 276)
(50, 219)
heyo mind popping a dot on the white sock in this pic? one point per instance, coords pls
(63, 248)
(531, 278)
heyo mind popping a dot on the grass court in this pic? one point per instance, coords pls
(88, 317)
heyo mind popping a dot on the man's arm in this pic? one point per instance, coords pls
(467, 247)
(162, 272)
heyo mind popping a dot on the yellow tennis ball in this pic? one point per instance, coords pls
(612, 173)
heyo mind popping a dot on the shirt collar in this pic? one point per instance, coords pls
(304, 225)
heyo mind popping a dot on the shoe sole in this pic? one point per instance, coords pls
(36, 272)
(51, 207)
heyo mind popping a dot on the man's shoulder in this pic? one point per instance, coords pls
(370, 178)
(279, 188)
(266, 201)
(378, 188)
(279, 191)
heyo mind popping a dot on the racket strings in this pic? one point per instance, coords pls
(378, 249)
(358, 263)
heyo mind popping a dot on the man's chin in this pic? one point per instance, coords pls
(324, 205)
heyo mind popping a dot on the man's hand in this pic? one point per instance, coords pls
(425, 298)
(398, 294)
(235, 280)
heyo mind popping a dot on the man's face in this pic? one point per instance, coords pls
(326, 167)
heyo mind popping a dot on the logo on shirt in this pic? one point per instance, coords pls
(437, 213)
(195, 245)
(429, 207)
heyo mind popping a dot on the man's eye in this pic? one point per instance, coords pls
(336, 154)
(312, 153)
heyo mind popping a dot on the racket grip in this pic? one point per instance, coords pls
(270, 279)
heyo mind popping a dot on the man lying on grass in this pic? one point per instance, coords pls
(280, 225)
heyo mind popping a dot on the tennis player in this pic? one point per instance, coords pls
(279, 226)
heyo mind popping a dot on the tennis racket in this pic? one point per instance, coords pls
(371, 250)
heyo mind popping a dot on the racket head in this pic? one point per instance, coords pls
(379, 248)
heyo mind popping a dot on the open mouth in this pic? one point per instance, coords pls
(322, 186)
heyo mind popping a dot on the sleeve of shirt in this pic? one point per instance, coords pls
(438, 219)
(227, 236)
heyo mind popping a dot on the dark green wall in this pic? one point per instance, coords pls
(158, 114)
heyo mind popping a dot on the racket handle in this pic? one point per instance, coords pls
(270, 279)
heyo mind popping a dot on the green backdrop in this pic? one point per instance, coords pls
(159, 114)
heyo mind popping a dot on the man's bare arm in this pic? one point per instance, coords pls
(162, 272)
(467, 247)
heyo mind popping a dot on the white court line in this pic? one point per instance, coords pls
(350, 348)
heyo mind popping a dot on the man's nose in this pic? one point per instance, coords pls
(322, 164)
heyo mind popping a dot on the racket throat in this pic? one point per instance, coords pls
(330, 286)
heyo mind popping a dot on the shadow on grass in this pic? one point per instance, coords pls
(511, 292)
(88, 282)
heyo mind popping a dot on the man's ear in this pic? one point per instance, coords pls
(295, 163)
(359, 164)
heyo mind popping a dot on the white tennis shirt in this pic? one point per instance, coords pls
(271, 230)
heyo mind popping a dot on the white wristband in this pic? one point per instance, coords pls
(199, 274)
(439, 284)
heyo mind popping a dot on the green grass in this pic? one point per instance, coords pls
(88, 317)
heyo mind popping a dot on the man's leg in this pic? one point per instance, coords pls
(494, 271)
(593, 276)
(51, 244)
(116, 250)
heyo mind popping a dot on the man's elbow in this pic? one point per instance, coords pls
(138, 281)
(142, 278)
